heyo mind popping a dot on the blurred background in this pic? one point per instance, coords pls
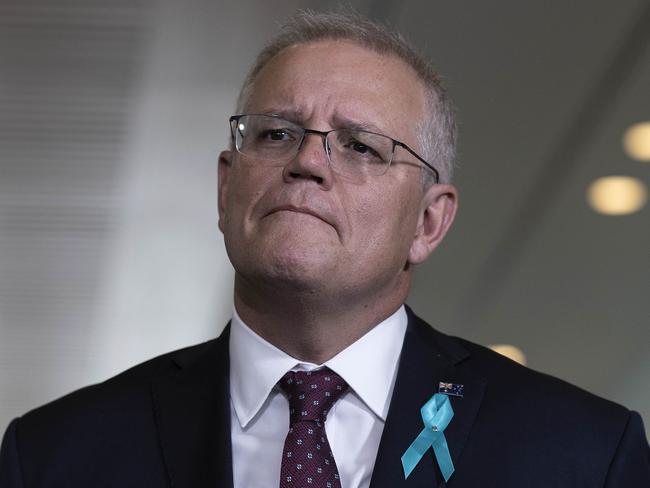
(112, 115)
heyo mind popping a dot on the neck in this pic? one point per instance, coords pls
(312, 328)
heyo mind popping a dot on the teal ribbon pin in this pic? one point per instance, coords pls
(436, 415)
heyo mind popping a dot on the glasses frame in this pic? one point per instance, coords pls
(234, 121)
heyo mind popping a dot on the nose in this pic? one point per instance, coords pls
(311, 162)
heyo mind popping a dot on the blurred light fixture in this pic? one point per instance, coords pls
(636, 141)
(617, 195)
(510, 352)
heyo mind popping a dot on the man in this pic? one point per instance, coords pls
(336, 184)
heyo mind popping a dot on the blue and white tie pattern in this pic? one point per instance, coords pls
(307, 460)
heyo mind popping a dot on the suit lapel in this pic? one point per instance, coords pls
(427, 359)
(192, 410)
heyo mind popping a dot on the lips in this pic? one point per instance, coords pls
(291, 198)
(301, 209)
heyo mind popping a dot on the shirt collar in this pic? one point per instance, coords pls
(369, 366)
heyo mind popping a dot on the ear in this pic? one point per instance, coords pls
(437, 210)
(225, 166)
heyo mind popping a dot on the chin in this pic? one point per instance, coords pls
(283, 258)
(297, 272)
(301, 270)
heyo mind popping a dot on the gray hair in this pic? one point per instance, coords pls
(436, 134)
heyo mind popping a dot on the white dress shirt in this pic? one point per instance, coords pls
(260, 412)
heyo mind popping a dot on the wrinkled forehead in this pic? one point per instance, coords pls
(330, 83)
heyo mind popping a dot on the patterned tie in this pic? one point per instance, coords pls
(307, 460)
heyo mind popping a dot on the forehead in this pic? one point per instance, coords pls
(330, 82)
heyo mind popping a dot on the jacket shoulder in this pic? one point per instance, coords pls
(126, 386)
(109, 424)
(537, 403)
(509, 380)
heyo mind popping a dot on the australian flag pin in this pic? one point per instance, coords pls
(453, 389)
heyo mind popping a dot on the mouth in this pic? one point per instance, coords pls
(302, 210)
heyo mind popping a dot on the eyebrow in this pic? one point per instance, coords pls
(339, 121)
(293, 115)
(348, 123)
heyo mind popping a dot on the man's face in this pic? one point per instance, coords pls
(299, 224)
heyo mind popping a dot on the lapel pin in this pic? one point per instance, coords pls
(453, 389)
(436, 415)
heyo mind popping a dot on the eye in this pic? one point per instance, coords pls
(276, 135)
(361, 148)
(272, 134)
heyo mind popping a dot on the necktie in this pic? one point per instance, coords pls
(307, 460)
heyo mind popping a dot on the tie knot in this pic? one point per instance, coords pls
(312, 393)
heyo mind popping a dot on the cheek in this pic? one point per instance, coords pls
(246, 187)
(386, 221)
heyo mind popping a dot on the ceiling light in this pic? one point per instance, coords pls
(510, 352)
(636, 141)
(617, 195)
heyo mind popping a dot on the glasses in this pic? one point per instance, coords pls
(350, 152)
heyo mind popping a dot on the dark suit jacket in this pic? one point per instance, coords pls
(167, 423)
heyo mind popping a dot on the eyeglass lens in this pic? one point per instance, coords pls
(273, 139)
